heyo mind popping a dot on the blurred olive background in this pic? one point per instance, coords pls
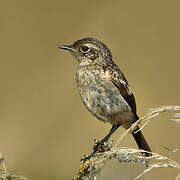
(45, 129)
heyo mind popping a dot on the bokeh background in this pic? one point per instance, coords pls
(45, 129)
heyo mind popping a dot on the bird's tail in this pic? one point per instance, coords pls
(142, 143)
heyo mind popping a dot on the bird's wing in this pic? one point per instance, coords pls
(119, 80)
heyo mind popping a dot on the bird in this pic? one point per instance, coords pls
(104, 90)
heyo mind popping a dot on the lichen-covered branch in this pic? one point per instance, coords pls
(92, 168)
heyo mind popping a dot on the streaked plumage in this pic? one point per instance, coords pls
(103, 87)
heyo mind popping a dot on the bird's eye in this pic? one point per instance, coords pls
(84, 49)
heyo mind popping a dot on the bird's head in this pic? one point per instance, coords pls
(89, 50)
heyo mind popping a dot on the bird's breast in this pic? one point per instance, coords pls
(99, 94)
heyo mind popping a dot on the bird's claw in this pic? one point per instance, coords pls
(102, 146)
(86, 157)
(98, 147)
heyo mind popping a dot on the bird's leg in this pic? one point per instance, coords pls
(101, 142)
(106, 138)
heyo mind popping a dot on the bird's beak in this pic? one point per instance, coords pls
(67, 47)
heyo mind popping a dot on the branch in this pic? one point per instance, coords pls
(92, 168)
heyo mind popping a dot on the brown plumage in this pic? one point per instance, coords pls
(104, 89)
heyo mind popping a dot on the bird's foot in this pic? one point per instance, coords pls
(99, 147)
(86, 158)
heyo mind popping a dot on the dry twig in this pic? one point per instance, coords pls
(6, 176)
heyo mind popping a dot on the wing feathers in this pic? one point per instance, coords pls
(121, 83)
